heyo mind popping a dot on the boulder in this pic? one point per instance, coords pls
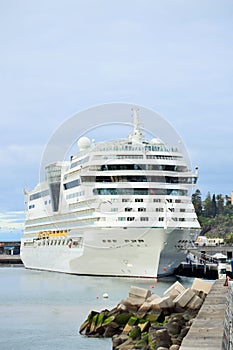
(174, 347)
(163, 338)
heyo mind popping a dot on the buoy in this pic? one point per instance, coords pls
(152, 286)
(164, 269)
(105, 295)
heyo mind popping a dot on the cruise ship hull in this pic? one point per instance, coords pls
(142, 252)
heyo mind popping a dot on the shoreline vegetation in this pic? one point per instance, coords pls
(215, 215)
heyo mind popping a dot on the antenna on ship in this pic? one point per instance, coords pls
(136, 135)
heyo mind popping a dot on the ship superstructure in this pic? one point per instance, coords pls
(117, 208)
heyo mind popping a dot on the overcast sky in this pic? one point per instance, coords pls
(59, 57)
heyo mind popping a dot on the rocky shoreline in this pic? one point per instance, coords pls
(147, 321)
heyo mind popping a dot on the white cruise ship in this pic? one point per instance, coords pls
(117, 208)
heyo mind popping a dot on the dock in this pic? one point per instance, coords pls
(211, 329)
(7, 259)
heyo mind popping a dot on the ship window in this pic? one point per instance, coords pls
(125, 200)
(31, 206)
(144, 218)
(121, 218)
(141, 209)
(133, 240)
(140, 240)
(156, 200)
(126, 240)
(130, 218)
(114, 240)
(161, 219)
(169, 200)
(159, 209)
(114, 209)
(177, 200)
(138, 199)
(182, 210)
(71, 184)
(128, 209)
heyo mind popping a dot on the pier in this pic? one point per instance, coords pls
(211, 329)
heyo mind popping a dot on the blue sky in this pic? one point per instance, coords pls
(60, 57)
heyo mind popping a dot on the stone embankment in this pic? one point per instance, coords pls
(147, 321)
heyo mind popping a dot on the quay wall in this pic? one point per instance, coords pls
(212, 328)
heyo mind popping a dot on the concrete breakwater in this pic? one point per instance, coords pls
(147, 321)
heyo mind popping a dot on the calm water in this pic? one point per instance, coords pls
(43, 310)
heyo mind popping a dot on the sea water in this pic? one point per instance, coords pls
(42, 310)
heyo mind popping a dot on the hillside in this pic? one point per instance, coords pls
(219, 226)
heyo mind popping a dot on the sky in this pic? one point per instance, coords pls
(59, 57)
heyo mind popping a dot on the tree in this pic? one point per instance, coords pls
(220, 204)
(197, 202)
(214, 206)
(208, 211)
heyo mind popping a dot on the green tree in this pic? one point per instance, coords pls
(220, 204)
(208, 210)
(197, 202)
(214, 206)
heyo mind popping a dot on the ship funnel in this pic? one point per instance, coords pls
(53, 175)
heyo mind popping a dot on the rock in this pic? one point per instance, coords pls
(155, 316)
(174, 347)
(135, 332)
(162, 348)
(173, 327)
(183, 333)
(184, 298)
(144, 326)
(119, 339)
(126, 345)
(174, 290)
(121, 307)
(110, 331)
(201, 285)
(163, 338)
(131, 322)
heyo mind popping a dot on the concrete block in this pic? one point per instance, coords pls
(139, 292)
(201, 285)
(195, 303)
(162, 303)
(175, 289)
(152, 297)
(144, 308)
(135, 300)
(184, 298)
